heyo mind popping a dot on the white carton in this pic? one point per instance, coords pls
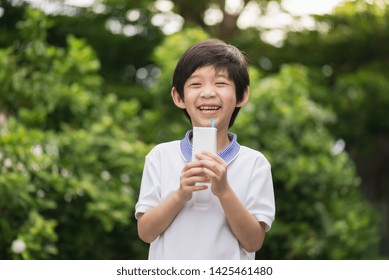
(204, 139)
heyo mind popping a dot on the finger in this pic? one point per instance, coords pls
(212, 155)
(193, 180)
(210, 165)
(196, 188)
(195, 171)
(214, 171)
(201, 188)
(191, 165)
(201, 156)
(210, 173)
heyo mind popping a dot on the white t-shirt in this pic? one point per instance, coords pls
(200, 230)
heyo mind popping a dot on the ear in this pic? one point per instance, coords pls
(245, 97)
(178, 101)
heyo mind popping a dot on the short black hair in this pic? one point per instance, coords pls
(220, 55)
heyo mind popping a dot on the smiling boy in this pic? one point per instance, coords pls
(210, 81)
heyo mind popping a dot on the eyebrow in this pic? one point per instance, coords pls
(221, 75)
(218, 75)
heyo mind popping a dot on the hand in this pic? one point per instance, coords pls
(192, 173)
(215, 169)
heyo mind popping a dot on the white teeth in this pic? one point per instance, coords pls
(209, 108)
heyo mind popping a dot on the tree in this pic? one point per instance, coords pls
(70, 159)
(348, 54)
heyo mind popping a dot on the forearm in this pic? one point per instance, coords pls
(155, 221)
(245, 227)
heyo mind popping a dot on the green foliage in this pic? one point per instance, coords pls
(320, 211)
(37, 99)
(362, 91)
(22, 162)
(348, 53)
(70, 159)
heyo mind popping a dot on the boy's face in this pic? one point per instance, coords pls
(208, 94)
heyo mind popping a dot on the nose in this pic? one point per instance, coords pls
(207, 92)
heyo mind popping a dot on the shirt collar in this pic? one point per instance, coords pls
(228, 154)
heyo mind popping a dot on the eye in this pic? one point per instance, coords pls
(195, 85)
(221, 83)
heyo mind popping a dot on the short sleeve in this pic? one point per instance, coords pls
(150, 194)
(260, 200)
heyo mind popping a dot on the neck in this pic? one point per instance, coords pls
(222, 139)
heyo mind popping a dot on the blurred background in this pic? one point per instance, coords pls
(85, 94)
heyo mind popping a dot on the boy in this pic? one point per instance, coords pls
(210, 81)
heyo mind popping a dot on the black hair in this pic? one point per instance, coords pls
(220, 55)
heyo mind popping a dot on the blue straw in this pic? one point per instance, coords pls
(212, 122)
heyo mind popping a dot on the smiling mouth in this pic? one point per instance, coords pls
(209, 108)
